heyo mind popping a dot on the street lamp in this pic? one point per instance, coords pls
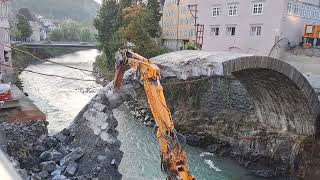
(178, 21)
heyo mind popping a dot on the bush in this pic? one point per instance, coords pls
(191, 46)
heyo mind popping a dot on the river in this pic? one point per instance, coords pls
(62, 99)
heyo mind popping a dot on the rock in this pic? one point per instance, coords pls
(56, 172)
(56, 156)
(263, 173)
(113, 162)
(101, 158)
(48, 166)
(23, 173)
(213, 148)
(71, 169)
(52, 142)
(45, 156)
(35, 177)
(61, 137)
(60, 177)
(60, 148)
(51, 155)
(35, 170)
(43, 174)
(73, 156)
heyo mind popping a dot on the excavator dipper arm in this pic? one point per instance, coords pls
(173, 157)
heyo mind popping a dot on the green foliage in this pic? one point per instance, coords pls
(191, 46)
(24, 29)
(153, 19)
(86, 35)
(72, 31)
(80, 10)
(56, 35)
(128, 21)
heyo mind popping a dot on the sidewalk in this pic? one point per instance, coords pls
(21, 110)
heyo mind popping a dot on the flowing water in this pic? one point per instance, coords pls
(62, 99)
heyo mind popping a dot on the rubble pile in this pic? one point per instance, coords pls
(38, 156)
(141, 112)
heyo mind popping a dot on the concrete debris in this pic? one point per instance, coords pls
(71, 169)
(73, 156)
(38, 156)
(48, 166)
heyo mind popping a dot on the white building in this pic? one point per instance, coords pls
(46, 26)
(254, 26)
(5, 52)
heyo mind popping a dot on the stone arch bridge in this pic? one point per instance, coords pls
(283, 97)
(284, 100)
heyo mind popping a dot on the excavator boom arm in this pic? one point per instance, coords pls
(173, 157)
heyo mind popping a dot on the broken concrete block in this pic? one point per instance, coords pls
(48, 166)
(71, 169)
(73, 156)
(60, 148)
(43, 174)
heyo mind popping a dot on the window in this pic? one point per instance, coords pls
(233, 10)
(255, 30)
(216, 11)
(214, 31)
(231, 31)
(290, 6)
(257, 8)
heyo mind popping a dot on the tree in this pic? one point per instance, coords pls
(56, 35)
(105, 25)
(119, 22)
(23, 27)
(154, 18)
(71, 30)
(86, 35)
(136, 31)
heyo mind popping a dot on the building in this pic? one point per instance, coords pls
(254, 26)
(5, 52)
(177, 24)
(46, 26)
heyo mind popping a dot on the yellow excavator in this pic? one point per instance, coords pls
(173, 157)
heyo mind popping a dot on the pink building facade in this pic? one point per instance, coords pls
(254, 26)
(5, 52)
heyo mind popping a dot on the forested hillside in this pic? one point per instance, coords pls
(80, 10)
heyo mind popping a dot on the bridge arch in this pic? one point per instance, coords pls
(283, 97)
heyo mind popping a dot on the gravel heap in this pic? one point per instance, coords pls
(37, 156)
